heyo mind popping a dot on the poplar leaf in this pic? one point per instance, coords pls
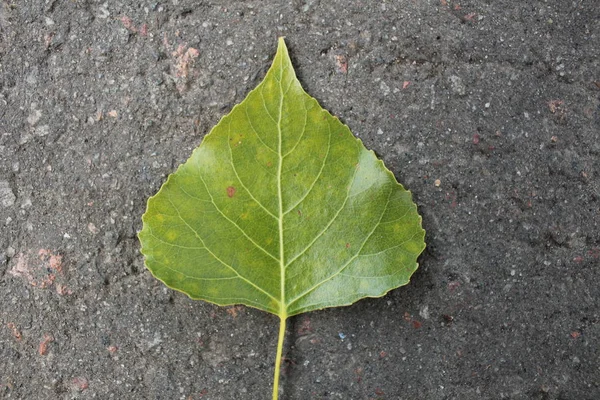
(281, 208)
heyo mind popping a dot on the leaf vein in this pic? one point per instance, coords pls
(265, 106)
(255, 131)
(314, 287)
(302, 134)
(186, 276)
(282, 310)
(214, 255)
(393, 247)
(325, 158)
(233, 222)
(240, 179)
(173, 244)
(328, 224)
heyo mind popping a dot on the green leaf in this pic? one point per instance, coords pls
(281, 208)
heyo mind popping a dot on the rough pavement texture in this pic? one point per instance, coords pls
(488, 111)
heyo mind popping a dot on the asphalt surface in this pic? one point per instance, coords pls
(488, 111)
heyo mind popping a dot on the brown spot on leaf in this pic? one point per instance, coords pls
(230, 191)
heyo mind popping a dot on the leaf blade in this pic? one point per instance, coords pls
(281, 208)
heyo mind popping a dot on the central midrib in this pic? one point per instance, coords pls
(282, 305)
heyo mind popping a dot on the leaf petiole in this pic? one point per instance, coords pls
(278, 357)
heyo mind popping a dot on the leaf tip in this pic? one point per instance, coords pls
(281, 46)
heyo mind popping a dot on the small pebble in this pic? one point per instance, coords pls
(7, 197)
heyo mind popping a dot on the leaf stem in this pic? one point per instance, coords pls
(278, 357)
